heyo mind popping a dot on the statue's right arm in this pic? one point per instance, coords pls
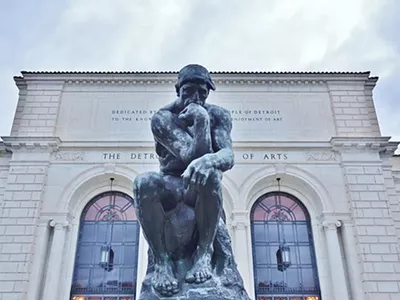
(176, 140)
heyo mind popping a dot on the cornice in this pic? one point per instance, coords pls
(13, 143)
(392, 147)
(381, 144)
(388, 152)
(371, 83)
(171, 81)
(169, 78)
(212, 72)
(20, 82)
(377, 144)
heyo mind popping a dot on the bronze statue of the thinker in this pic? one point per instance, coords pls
(180, 208)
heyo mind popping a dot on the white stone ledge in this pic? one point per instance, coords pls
(18, 142)
(236, 145)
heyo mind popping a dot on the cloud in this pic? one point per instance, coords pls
(276, 35)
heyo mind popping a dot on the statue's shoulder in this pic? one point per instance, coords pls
(169, 108)
(220, 117)
(217, 111)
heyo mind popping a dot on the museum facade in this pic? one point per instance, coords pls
(312, 204)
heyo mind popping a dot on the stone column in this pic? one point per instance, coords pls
(240, 226)
(338, 279)
(353, 265)
(40, 249)
(55, 260)
(142, 262)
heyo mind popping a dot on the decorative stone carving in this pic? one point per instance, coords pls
(280, 169)
(331, 225)
(109, 168)
(238, 225)
(167, 81)
(321, 156)
(70, 156)
(59, 225)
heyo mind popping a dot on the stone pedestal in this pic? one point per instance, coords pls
(213, 289)
(226, 283)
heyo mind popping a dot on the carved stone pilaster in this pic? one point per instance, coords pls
(55, 258)
(335, 258)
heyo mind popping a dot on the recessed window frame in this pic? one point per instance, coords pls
(119, 217)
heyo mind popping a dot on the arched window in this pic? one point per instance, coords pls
(106, 258)
(283, 249)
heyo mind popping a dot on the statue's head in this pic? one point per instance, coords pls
(193, 84)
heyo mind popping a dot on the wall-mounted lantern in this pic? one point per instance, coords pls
(106, 257)
(283, 257)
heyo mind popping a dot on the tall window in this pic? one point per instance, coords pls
(106, 259)
(283, 249)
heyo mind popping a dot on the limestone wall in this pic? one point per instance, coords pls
(37, 108)
(264, 107)
(4, 169)
(318, 132)
(354, 108)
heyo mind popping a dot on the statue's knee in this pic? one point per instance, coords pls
(145, 184)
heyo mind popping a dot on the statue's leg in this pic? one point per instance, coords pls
(208, 211)
(149, 193)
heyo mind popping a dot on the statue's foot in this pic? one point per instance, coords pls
(164, 280)
(201, 270)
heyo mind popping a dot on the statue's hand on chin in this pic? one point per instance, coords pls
(198, 172)
(193, 114)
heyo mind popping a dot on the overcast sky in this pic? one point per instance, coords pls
(231, 35)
